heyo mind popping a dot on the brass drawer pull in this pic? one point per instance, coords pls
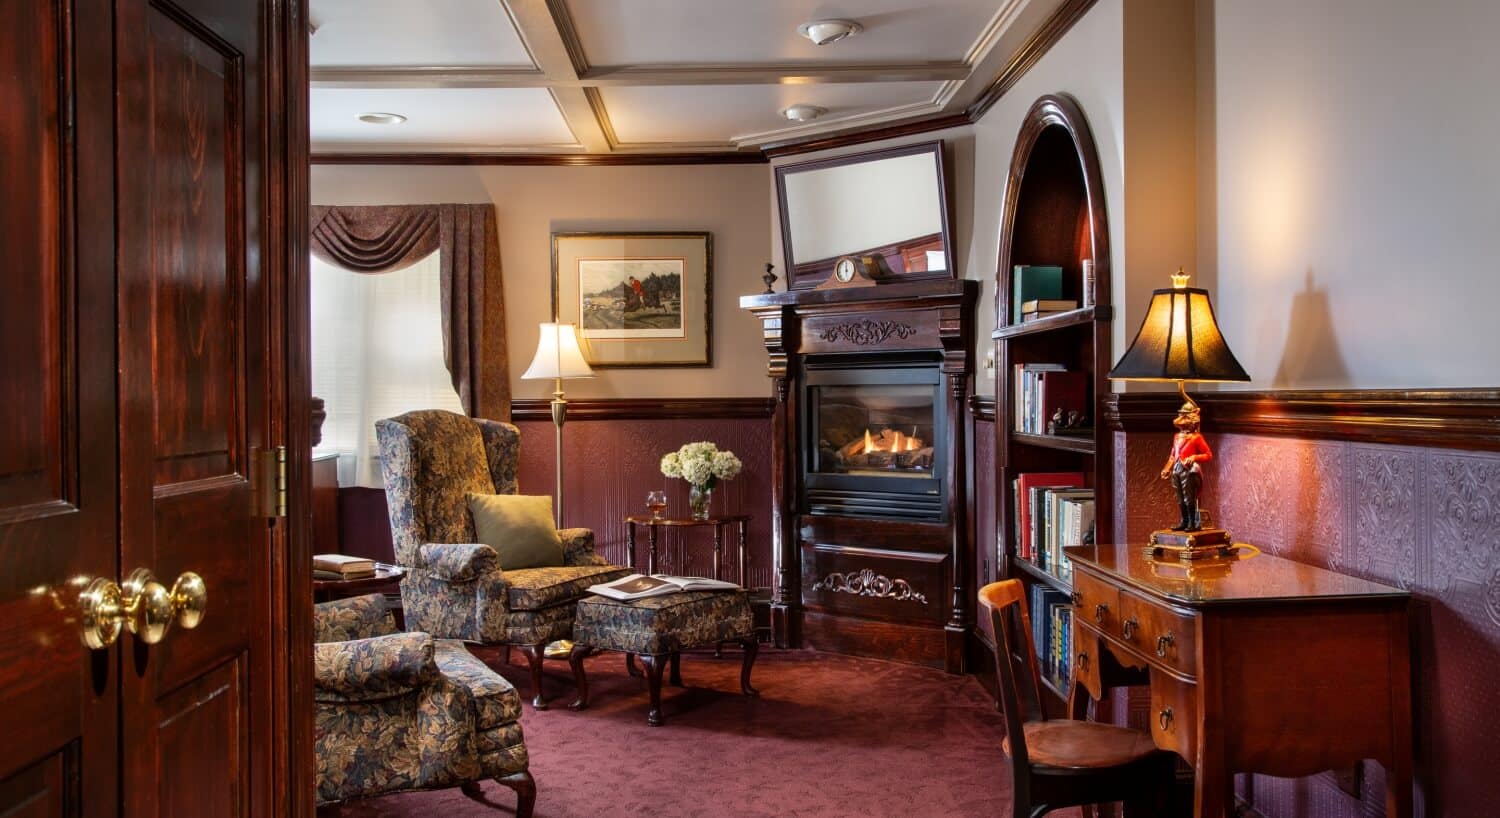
(1077, 599)
(1099, 611)
(1163, 642)
(1164, 719)
(1129, 628)
(1083, 660)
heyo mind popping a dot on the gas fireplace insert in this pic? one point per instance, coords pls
(874, 435)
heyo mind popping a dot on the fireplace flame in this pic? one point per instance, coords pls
(891, 440)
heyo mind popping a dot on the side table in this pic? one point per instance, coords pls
(386, 576)
(653, 536)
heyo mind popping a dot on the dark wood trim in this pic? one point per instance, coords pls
(532, 159)
(532, 409)
(1057, 25)
(294, 769)
(1447, 418)
(911, 127)
(982, 407)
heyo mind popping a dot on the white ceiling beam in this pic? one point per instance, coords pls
(549, 36)
(438, 76)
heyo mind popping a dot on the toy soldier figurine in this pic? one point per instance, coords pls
(1189, 450)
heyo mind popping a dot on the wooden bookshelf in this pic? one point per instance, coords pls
(1053, 215)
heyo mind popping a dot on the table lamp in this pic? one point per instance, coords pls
(1180, 341)
(558, 356)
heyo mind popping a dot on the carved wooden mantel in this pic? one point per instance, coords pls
(895, 589)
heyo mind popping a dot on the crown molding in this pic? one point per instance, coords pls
(1031, 52)
(1448, 418)
(534, 159)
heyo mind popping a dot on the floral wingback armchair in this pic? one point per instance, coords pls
(404, 711)
(454, 587)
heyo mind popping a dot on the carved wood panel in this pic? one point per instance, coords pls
(856, 332)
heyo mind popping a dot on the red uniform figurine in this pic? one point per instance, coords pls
(1189, 449)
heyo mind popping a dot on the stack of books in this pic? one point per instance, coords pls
(1053, 511)
(1033, 282)
(341, 567)
(1043, 307)
(1041, 390)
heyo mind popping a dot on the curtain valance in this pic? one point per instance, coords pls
(380, 238)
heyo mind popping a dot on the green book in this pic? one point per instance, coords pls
(1030, 282)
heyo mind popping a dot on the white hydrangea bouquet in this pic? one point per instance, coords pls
(702, 465)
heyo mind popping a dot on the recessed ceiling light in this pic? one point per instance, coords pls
(381, 118)
(803, 113)
(823, 32)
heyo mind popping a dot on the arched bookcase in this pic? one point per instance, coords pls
(1054, 214)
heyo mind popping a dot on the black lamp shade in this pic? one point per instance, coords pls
(1179, 341)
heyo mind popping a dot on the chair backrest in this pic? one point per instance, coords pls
(1004, 604)
(431, 462)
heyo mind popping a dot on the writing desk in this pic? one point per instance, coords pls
(1256, 664)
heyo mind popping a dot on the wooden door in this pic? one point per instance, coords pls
(195, 401)
(57, 407)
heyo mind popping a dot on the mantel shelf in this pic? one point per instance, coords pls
(1066, 443)
(1052, 323)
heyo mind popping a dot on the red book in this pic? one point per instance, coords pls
(1029, 481)
(1062, 390)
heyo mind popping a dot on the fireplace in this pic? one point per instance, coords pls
(869, 533)
(871, 434)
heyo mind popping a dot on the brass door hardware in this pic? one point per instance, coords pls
(269, 480)
(141, 604)
(1164, 719)
(1128, 629)
(1099, 611)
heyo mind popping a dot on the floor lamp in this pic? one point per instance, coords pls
(557, 357)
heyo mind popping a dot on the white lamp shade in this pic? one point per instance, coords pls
(558, 354)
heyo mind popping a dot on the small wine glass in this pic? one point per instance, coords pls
(656, 503)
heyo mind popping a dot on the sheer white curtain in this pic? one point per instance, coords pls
(377, 351)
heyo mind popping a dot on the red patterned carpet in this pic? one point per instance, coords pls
(829, 736)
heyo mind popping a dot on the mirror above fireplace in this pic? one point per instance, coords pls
(890, 204)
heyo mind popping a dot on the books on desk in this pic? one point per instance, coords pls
(640, 586)
(342, 566)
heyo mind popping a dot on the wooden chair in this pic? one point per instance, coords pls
(1058, 763)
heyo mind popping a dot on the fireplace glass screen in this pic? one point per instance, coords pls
(875, 430)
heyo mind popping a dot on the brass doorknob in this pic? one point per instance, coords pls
(143, 605)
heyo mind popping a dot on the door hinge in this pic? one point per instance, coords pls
(270, 482)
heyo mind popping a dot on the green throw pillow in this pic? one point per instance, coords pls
(519, 527)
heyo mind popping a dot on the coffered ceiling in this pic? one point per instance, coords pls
(644, 76)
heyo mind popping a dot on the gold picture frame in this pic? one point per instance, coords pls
(640, 299)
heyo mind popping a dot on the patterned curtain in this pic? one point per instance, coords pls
(380, 238)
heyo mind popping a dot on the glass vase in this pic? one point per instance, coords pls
(699, 498)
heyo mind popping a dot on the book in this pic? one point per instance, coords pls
(1025, 486)
(1048, 305)
(343, 564)
(1031, 282)
(1054, 526)
(640, 586)
(335, 576)
(1037, 316)
(1025, 379)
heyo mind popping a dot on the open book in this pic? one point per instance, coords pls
(640, 586)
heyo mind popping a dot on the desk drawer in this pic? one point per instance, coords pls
(1174, 715)
(1168, 636)
(1096, 602)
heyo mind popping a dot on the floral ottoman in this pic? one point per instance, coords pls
(656, 629)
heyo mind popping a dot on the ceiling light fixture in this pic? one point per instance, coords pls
(803, 113)
(381, 118)
(823, 32)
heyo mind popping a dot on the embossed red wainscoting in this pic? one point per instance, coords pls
(1402, 488)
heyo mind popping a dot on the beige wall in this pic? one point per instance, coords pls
(1357, 191)
(532, 202)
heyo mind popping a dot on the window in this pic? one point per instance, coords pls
(377, 351)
